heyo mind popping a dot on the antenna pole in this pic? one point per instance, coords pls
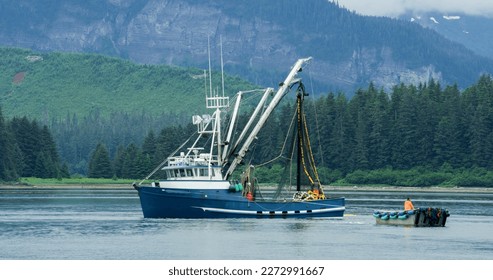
(210, 67)
(222, 63)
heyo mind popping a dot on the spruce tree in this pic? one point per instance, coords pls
(27, 135)
(118, 161)
(100, 164)
(149, 148)
(379, 153)
(44, 166)
(403, 132)
(8, 166)
(130, 166)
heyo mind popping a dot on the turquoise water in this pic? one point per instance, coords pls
(107, 224)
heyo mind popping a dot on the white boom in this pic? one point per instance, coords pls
(283, 89)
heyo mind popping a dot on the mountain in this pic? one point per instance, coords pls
(474, 32)
(261, 39)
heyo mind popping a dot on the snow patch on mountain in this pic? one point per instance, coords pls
(451, 17)
(434, 20)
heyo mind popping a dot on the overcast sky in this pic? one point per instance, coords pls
(395, 8)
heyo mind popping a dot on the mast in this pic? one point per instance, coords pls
(283, 89)
(218, 117)
(210, 67)
(222, 63)
(301, 139)
(215, 101)
(299, 113)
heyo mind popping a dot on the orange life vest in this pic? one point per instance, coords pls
(408, 205)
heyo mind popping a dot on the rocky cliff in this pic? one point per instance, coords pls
(261, 39)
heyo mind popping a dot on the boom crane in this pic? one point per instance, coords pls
(281, 92)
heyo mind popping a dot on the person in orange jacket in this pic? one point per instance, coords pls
(408, 205)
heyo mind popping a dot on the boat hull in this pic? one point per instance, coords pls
(421, 217)
(188, 203)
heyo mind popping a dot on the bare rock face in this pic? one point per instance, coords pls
(260, 39)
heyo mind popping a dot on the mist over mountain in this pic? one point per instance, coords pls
(261, 39)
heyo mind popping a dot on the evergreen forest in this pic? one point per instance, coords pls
(27, 149)
(421, 135)
(414, 135)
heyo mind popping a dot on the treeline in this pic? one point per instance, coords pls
(136, 162)
(27, 149)
(423, 126)
(441, 134)
(413, 136)
(78, 136)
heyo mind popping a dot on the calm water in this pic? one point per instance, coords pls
(108, 224)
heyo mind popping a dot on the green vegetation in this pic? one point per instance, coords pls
(412, 136)
(32, 181)
(26, 149)
(50, 86)
(87, 99)
(415, 177)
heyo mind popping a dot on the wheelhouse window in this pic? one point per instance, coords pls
(204, 172)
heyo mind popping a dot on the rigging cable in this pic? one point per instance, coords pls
(283, 145)
(166, 160)
(320, 150)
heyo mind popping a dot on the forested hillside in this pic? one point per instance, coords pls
(86, 99)
(130, 117)
(415, 135)
(48, 86)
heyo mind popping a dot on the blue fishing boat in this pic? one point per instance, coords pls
(199, 179)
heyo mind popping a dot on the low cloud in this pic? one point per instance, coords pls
(394, 8)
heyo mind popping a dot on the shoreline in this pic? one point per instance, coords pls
(66, 186)
(327, 188)
(409, 189)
